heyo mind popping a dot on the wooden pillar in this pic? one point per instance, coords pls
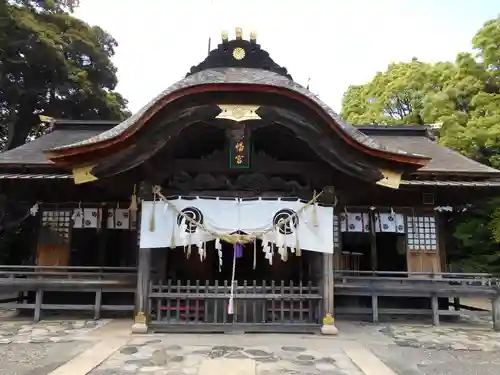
(327, 283)
(143, 277)
(143, 272)
(373, 242)
(495, 302)
(103, 237)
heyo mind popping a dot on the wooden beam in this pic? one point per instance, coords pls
(270, 167)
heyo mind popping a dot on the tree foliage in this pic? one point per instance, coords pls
(54, 64)
(463, 97)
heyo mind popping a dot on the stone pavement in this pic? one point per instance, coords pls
(80, 347)
(162, 356)
(445, 337)
(22, 332)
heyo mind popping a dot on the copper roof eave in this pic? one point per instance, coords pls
(74, 150)
(418, 183)
(445, 172)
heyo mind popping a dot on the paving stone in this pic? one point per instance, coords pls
(293, 348)
(458, 346)
(305, 357)
(39, 332)
(159, 357)
(107, 372)
(176, 359)
(5, 341)
(266, 359)
(325, 367)
(140, 362)
(149, 342)
(39, 339)
(327, 360)
(227, 348)
(257, 352)
(129, 350)
(201, 351)
(130, 368)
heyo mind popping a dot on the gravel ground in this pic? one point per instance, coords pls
(37, 359)
(419, 361)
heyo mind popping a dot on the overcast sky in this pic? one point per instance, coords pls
(336, 43)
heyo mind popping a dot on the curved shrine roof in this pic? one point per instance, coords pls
(246, 76)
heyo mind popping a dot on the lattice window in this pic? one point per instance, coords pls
(56, 226)
(422, 234)
(336, 233)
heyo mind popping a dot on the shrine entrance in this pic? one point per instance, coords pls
(260, 284)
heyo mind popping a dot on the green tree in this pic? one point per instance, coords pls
(464, 97)
(54, 64)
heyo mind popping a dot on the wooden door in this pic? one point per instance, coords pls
(423, 261)
(52, 255)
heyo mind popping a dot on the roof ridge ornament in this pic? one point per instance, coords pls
(238, 33)
(239, 53)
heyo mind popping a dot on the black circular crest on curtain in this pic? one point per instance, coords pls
(284, 215)
(194, 214)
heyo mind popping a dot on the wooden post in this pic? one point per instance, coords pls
(103, 237)
(435, 310)
(38, 305)
(143, 272)
(97, 304)
(143, 276)
(374, 308)
(327, 286)
(495, 303)
(373, 242)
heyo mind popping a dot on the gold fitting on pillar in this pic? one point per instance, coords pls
(328, 320)
(140, 318)
(224, 36)
(253, 37)
(239, 33)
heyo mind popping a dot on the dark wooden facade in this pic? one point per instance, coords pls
(295, 145)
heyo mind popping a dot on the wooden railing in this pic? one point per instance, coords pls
(434, 286)
(18, 282)
(258, 306)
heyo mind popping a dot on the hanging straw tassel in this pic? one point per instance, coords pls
(152, 218)
(133, 201)
(254, 253)
(172, 236)
(315, 211)
(188, 254)
(298, 251)
(284, 254)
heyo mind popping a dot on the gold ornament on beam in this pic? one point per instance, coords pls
(391, 179)
(253, 37)
(238, 53)
(239, 33)
(83, 174)
(224, 36)
(238, 112)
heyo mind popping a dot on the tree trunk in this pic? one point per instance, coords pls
(20, 129)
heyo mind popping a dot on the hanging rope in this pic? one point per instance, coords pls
(230, 305)
(235, 238)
